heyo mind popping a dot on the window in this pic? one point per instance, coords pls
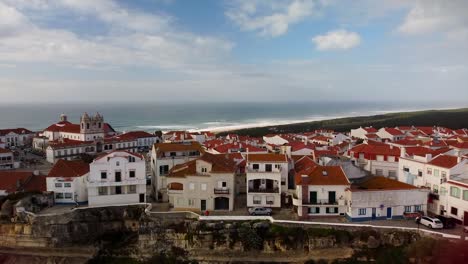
(270, 200)
(68, 195)
(407, 209)
(131, 189)
(268, 167)
(131, 159)
(172, 154)
(444, 174)
(392, 174)
(465, 195)
(117, 163)
(58, 195)
(436, 172)
(278, 166)
(435, 188)
(255, 166)
(203, 186)
(454, 210)
(102, 190)
(131, 174)
(420, 173)
(204, 170)
(442, 191)
(118, 176)
(67, 185)
(362, 211)
(429, 171)
(58, 185)
(191, 186)
(331, 210)
(417, 208)
(191, 202)
(405, 169)
(103, 175)
(314, 210)
(257, 200)
(455, 192)
(163, 170)
(118, 189)
(223, 184)
(379, 172)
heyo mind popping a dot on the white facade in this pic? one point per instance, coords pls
(16, 137)
(68, 190)
(203, 190)
(322, 206)
(275, 140)
(366, 205)
(6, 159)
(118, 177)
(360, 133)
(265, 182)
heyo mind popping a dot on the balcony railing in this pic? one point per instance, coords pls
(221, 190)
(322, 202)
(266, 190)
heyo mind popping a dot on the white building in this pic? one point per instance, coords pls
(267, 178)
(6, 159)
(144, 139)
(164, 156)
(275, 140)
(392, 134)
(16, 137)
(206, 183)
(320, 190)
(434, 173)
(454, 200)
(118, 177)
(380, 198)
(377, 158)
(68, 181)
(361, 132)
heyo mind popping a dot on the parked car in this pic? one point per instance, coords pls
(429, 222)
(447, 221)
(260, 211)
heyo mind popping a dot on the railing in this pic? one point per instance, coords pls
(221, 190)
(267, 190)
(113, 183)
(263, 171)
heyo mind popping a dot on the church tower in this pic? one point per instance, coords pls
(92, 124)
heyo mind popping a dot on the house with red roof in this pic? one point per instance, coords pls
(381, 198)
(20, 181)
(432, 170)
(267, 179)
(390, 134)
(237, 147)
(205, 183)
(164, 156)
(15, 137)
(362, 131)
(68, 181)
(117, 178)
(379, 159)
(320, 190)
(143, 139)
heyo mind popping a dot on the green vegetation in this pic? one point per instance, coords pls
(454, 118)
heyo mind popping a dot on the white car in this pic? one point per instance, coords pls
(430, 222)
(260, 211)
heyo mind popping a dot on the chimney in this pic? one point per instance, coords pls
(402, 152)
(324, 173)
(428, 157)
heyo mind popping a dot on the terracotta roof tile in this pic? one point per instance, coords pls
(69, 169)
(267, 157)
(382, 183)
(444, 161)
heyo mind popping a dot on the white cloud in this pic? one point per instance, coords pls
(134, 38)
(337, 40)
(435, 16)
(271, 18)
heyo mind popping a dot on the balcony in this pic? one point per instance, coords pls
(113, 183)
(264, 190)
(221, 190)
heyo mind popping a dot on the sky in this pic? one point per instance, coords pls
(233, 50)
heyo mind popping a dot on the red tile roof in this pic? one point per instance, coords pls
(135, 135)
(220, 164)
(9, 180)
(370, 129)
(393, 131)
(267, 157)
(444, 161)
(36, 183)
(18, 130)
(408, 142)
(69, 169)
(381, 149)
(64, 126)
(168, 147)
(65, 142)
(323, 175)
(382, 183)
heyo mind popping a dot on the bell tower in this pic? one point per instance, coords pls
(85, 123)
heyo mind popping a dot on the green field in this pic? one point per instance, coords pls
(453, 118)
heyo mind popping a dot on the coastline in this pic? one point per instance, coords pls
(449, 117)
(266, 124)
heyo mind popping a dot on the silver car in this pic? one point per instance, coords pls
(260, 211)
(430, 222)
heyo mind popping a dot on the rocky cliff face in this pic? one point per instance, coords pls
(126, 233)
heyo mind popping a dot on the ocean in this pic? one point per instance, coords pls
(199, 116)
